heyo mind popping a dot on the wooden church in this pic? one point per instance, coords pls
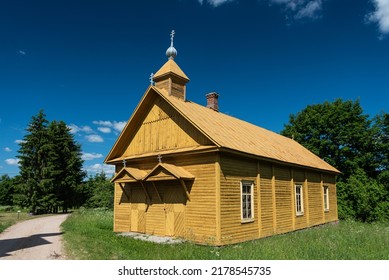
(189, 171)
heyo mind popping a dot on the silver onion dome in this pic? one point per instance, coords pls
(171, 52)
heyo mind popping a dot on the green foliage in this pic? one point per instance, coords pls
(343, 136)
(6, 190)
(362, 198)
(50, 167)
(100, 192)
(337, 132)
(88, 235)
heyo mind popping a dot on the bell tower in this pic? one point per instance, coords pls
(170, 77)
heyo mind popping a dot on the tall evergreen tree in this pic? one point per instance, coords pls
(67, 164)
(33, 155)
(50, 166)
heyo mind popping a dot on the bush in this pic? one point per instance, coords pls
(362, 198)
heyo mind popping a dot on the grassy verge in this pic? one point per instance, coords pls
(7, 219)
(88, 235)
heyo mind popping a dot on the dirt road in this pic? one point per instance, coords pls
(36, 239)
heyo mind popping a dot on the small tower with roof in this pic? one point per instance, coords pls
(170, 77)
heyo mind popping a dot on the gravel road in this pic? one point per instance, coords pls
(35, 239)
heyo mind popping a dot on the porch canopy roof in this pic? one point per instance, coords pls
(161, 172)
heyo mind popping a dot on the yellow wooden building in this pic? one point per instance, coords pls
(190, 171)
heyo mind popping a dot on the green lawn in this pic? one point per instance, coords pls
(88, 235)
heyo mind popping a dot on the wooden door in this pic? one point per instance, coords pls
(174, 210)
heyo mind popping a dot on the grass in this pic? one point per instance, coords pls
(7, 219)
(88, 235)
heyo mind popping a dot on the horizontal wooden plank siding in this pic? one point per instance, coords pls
(233, 171)
(122, 211)
(267, 227)
(283, 199)
(315, 198)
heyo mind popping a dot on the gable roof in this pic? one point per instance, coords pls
(234, 134)
(231, 134)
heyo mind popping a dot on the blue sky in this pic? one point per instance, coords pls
(88, 62)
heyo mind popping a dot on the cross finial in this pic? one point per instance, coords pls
(124, 163)
(172, 37)
(151, 79)
(171, 52)
(159, 158)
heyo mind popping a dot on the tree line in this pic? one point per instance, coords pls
(340, 133)
(51, 177)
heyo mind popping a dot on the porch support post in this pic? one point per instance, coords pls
(185, 189)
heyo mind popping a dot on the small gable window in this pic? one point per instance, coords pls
(247, 193)
(299, 200)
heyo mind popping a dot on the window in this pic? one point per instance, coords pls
(299, 200)
(247, 189)
(326, 199)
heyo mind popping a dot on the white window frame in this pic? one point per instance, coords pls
(326, 198)
(299, 199)
(244, 196)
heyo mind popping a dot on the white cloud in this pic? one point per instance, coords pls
(300, 9)
(104, 129)
(103, 123)
(94, 138)
(310, 10)
(215, 3)
(116, 125)
(380, 15)
(23, 53)
(18, 141)
(12, 161)
(75, 129)
(98, 168)
(91, 156)
(7, 149)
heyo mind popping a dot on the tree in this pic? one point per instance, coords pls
(342, 135)
(362, 198)
(101, 192)
(50, 166)
(33, 155)
(6, 190)
(66, 165)
(337, 132)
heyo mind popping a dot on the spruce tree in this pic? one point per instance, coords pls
(33, 155)
(50, 166)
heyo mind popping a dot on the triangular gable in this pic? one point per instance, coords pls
(164, 171)
(128, 175)
(142, 136)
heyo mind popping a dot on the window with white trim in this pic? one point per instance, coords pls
(326, 198)
(247, 193)
(299, 200)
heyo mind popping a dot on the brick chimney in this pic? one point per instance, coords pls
(213, 101)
